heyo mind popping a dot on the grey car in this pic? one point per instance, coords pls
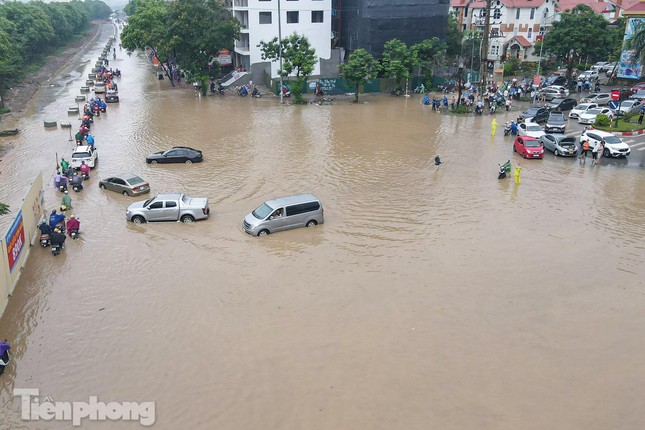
(556, 123)
(285, 213)
(127, 184)
(560, 144)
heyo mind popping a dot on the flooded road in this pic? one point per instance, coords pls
(430, 298)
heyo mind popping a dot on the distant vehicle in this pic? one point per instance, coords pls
(127, 184)
(550, 93)
(528, 147)
(560, 144)
(111, 97)
(609, 69)
(531, 129)
(589, 117)
(614, 145)
(628, 106)
(592, 75)
(89, 154)
(560, 88)
(562, 104)
(638, 95)
(598, 98)
(600, 66)
(537, 114)
(556, 80)
(581, 108)
(168, 207)
(99, 87)
(556, 123)
(177, 154)
(284, 213)
(638, 86)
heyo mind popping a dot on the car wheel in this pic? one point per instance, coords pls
(101, 186)
(153, 162)
(263, 232)
(606, 153)
(189, 162)
(312, 223)
(514, 149)
(555, 152)
(138, 219)
(187, 219)
(125, 193)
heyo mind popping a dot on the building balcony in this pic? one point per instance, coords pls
(242, 47)
(240, 3)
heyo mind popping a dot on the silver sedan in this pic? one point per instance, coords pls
(560, 144)
(127, 184)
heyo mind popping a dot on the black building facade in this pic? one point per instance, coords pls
(368, 24)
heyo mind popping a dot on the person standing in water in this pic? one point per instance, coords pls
(493, 127)
(517, 174)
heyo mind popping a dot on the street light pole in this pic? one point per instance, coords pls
(280, 51)
(484, 64)
(461, 73)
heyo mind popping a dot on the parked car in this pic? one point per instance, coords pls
(111, 97)
(284, 213)
(556, 80)
(638, 95)
(638, 86)
(560, 144)
(628, 106)
(556, 123)
(600, 66)
(177, 154)
(562, 104)
(589, 117)
(598, 98)
(89, 154)
(581, 108)
(560, 88)
(99, 87)
(127, 184)
(532, 129)
(589, 74)
(168, 207)
(528, 147)
(614, 145)
(550, 93)
(534, 114)
(609, 68)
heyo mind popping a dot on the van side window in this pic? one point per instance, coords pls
(302, 208)
(170, 204)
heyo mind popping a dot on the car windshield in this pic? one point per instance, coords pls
(262, 211)
(532, 111)
(81, 155)
(147, 202)
(135, 180)
(628, 104)
(594, 111)
(582, 107)
(557, 101)
(530, 143)
(612, 140)
(533, 128)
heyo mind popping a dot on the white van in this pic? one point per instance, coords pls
(303, 210)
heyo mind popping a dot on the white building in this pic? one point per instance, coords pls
(259, 19)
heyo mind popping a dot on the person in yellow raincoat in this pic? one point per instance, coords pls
(493, 127)
(517, 174)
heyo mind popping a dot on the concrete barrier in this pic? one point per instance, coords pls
(91, 75)
(79, 98)
(72, 111)
(51, 124)
(65, 125)
(85, 89)
(89, 83)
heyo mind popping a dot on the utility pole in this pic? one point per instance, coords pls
(280, 51)
(483, 72)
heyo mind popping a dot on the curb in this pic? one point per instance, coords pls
(629, 133)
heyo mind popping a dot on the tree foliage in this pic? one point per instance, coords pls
(298, 58)
(584, 32)
(453, 37)
(360, 67)
(398, 60)
(429, 53)
(4, 209)
(187, 32)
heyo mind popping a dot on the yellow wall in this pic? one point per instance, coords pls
(32, 212)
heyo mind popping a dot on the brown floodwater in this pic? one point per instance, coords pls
(430, 298)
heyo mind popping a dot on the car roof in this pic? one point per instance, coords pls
(184, 147)
(600, 132)
(291, 200)
(527, 137)
(82, 148)
(168, 196)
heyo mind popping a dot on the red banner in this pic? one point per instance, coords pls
(15, 240)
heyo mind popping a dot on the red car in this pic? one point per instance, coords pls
(528, 147)
(638, 86)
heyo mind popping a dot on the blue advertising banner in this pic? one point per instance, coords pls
(629, 66)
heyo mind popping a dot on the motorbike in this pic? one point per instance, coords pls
(74, 233)
(504, 170)
(44, 240)
(56, 249)
(62, 188)
(5, 358)
(78, 187)
(478, 110)
(85, 176)
(507, 129)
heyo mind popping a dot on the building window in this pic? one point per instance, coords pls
(532, 13)
(546, 12)
(292, 17)
(497, 13)
(265, 0)
(517, 13)
(317, 16)
(466, 12)
(265, 17)
(530, 34)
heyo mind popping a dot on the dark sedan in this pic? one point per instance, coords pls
(178, 154)
(538, 114)
(562, 104)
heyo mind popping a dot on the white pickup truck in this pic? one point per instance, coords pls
(168, 207)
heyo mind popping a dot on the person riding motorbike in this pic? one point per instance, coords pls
(77, 182)
(57, 238)
(73, 224)
(243, 91)
(44, 228)
(4, 355)
(255, 92)
(285, 91)
(85, 169)
(64, 164)
(55, 219)
(320, 92)
(507, 129)
(60, 181)
(65, 202)
(504, 169)
(90, 140)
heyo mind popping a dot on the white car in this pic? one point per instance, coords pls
(589, 117)
(99, 88)
(560, 88)
(600, 98)
(84, 153)
(588, 74)
(599, 66)
(614, 146)
(580, 109)
(531, 129)
(628, 106)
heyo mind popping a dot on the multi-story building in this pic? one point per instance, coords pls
(259, 21)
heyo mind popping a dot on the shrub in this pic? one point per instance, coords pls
(5, 110)
(511, 66)
(602, 120)
(460, 109)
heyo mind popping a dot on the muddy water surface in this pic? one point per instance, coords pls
(430, 298)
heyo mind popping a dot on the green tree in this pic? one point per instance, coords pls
(10, 58)
(360, 67)
(398, 60)
(4, 209)
(454, 37)
(429, 54)
(298, 58)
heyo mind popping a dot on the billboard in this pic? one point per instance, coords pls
(629, 66)
(15, 241)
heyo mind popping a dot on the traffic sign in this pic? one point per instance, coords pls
(615, 95)
(613, 105)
